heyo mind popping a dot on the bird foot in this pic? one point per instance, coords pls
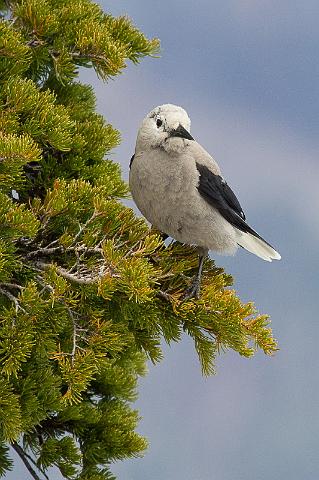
(192, 291)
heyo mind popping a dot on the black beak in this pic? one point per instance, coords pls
(181, 132)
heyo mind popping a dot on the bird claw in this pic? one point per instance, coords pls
(192, 291)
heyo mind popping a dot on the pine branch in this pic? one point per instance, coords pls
(72, 315)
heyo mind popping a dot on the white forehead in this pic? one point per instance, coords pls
(172, 114)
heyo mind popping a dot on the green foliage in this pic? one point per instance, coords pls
(15, 55)
(5, 461)
(87, 291)
(64, 35)
(47, 122)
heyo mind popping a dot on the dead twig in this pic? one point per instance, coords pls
(13, 299)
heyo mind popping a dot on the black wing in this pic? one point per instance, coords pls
(132, 160)
(217, 193)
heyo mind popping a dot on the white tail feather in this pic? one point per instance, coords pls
(257, 246)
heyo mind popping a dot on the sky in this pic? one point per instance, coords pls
(247, 72)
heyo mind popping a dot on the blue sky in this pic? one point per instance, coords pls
(247, 72)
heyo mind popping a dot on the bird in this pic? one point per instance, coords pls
(178, 187)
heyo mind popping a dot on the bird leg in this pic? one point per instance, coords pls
(194, 289)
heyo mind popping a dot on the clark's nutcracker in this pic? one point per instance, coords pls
(178, 187)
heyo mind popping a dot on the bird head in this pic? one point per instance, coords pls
(167, 127)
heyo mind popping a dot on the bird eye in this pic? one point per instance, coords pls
(159, 122)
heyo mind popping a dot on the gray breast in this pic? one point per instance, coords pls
(164, 188)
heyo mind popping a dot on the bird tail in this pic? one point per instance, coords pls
(257, 245)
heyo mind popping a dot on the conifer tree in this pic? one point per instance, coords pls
(87, 290)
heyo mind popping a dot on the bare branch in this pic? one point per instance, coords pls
(11, 285)
(24, 458)
(72, 315)
(164, 295)
(81, 280)
(94, 215)
(47, 251)
(13, 299)
(85, 249)
(44, 251)
(80, 56)
(74, 334)
(136, 244)
(54, 242)
(88, 56)
(35, 42)
(35, 464)
(131, 250)
(45, 286)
